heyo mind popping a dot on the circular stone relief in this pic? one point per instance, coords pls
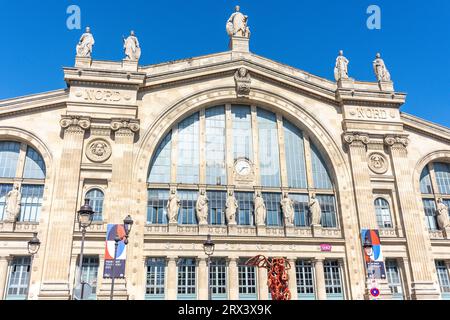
(98, 150)
(378, 163)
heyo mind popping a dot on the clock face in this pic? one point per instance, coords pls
(243, 167)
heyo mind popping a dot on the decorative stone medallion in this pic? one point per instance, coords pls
(98, 150)
(378, 163)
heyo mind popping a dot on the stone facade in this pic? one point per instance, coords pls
(103, 131)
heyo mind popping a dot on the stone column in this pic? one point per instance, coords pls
(55, 278)
(171, 278)
(233, 281)
(416, 232)
(4, 263)
(262, 284)
(203, 279)
(292, 279)
(319, 273)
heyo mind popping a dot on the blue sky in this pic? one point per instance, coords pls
(414, 40)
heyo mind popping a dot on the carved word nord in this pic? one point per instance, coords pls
(101, 95)
(372, 113)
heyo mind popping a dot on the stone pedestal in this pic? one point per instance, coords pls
(261, 230)
(7, 226)
(173, 228)
(316, 230)
(289, 230)
(446, 232)
(232, 229)
(203, 229)
(386, 86)
(120, 290)
(239, 44)
(130, 65)
(346, 83)
(83, 62)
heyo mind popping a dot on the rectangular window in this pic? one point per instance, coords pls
(216, 207)
(301, 208)
(215, 146)
(31, 202)
(89, 274)
(187, 279)
(9, 157)
(394, 280)
(442, 171)
(295, 156)
(218, 279)
(273, 207)
(187, 213)
(328, 206)
(245, 210)
(444, 280)
(242, 132)
(154, 288)
(19, 278)
(188, 150)
(161, 163)
(247, 281)
(333, 281)
(269, 158)
(305, 280)
(4, 189)
(157, 206)
(430, 213)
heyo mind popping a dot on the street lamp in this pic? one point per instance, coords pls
(85, 216)
(128, 223)
(33, 247)
(208, 247)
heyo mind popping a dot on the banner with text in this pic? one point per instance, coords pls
(119, 267)
(372, 254)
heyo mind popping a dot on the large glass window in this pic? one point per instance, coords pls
(89, 274)
(157, 206)
(430, 213)
(216, 206)
(187, 279)
(19, 278)
(269, 158)
(9, 156)
(187, 213)
(188, 150)
(31, 202)
(394, 279)
(320, 173)
(383, 213)
(34, 165)
(444, 280)
(328, 206)
(442, 171)
(161, 163)
(242, 132)
(247, 281)
(218, 279)
(215, 146)
(245, 210)
(305, 280)
(425, 182)
(154, 288)
(273, 207)
(333, 280)
(301, 208)
(295, 156)
(96, 198)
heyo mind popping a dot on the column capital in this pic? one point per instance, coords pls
(356, 138)
(396, 141)
(318, 260)
(125, 126)
(75, 124)
(7, 258)
(172, 258)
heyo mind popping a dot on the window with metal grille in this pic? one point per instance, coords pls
(9, 157)
(383, 213)
(218, 278)
(186, 278)
(188, 150)
(394, 279)
(31, 202)
(154, 288)
(305, 279)
(216, 207)
(273, 207)
(245, 210)
(19, 278)
(333, 281)
(157, 206)
(215, 146)
(187, 213)
(425, 182)
(242, 132)
(96, 198)
(442, 171)
(328, 206)
(295, 156)
(443, 276)
(160, 165)
(247, 280)
(429, 206)
(320, 173)
(90, 273)
(34, 165)
(301, 209)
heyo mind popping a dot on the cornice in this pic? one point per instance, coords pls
(421, 126)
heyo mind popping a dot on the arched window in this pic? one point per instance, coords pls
(239, 147)
(24, 167)
(434, 185)
(96, 197)
(383, 213)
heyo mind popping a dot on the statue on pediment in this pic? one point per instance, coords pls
(237, 25)
(132, 47)
(202, 208)
(231, 207)
(12, 207)
(173, 206)
(315, 210)
(86, 43)
(288, 210)
(442, 215)
(341, 67)
(260, 209)
(380, 69)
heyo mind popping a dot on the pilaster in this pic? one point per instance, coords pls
(262, 284)
(292, 279)
(171, 278)
(233, 281)
(4, 263)
(320, 279)
(203, 279)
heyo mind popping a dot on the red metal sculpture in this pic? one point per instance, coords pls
(277, 278)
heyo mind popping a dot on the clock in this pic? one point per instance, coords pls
(243, 167)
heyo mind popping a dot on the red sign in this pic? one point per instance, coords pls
(325, 247)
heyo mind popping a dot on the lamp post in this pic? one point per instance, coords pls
(85, 216)
(33, 247)
(208, 247)
(128, 223)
